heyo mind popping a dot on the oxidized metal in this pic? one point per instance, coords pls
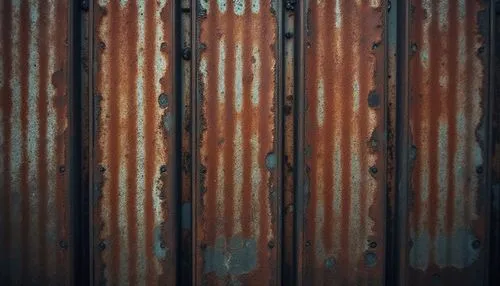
(344, 143)
(237, 227)
(34, 210)
(448, 76)
(135, 216)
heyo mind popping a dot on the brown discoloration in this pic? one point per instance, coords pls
(345, 113)
(447, 91)
(244, 204)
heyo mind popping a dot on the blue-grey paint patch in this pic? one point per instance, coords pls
(186, 216)
(159, 247)
(167, 122)
(235, 256)
(458, 250)
(370, 259)
(271, 161)
(330, 263)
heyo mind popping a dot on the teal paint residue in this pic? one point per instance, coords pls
(234, 256)
(159, 249)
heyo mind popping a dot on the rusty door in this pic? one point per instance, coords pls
(249, 142)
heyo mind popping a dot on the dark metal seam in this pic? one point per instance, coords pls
(176, 145)
(492, 255)
(194, 142)
(402, 144)
(300, 24)
(91, 124)
(77, 197)
(72, 160)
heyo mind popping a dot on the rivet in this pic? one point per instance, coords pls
(270, 244)
(85, 5)
(185, 9)
(479, 169)
(290, 6)
(476, 244)
(102, 169)
(186, 54)
(288, 35)
(308, 243)
(102, 245)
(373, 170)
(163, 169)
(62, 169)
(162, 245)
(63, 244)
(373, 244)
(163, 100)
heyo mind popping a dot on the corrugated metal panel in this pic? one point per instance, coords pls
(238, 217)
(248, 142)
(344, 142)
(135, 207)
(34, 234)
(448, 90)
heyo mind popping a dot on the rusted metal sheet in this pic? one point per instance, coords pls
(238, 196)
(344, 143)
(135, 215)
(448, 220)
(34, 215)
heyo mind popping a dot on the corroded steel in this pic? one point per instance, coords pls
(237, 235)
(448, 88)
(34, 197)
(135, 222)
(344, 143)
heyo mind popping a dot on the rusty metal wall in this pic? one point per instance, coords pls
(448, 132)
(249, 142)
(34, 135)
(134, 203)
(344, 142)
(237, 213)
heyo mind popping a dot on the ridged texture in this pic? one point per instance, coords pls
(236, 227)
(344, 132)
(447, 92)
(135, 223)
(34, 212)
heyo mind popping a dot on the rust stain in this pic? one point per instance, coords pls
(447, 76)
(134, 220)
(237, 68)
(33, 139)
(344, 132)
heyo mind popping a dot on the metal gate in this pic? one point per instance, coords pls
(249, 142)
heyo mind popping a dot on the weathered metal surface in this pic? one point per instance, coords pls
(135, 215)
(237, 224)
(448, 93)
(34, 210)
(344, 143)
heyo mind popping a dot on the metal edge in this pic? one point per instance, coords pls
(402, 144)
(175, 144)
(299, 65)
(70, 160)
(492, 234)
(194, 142)
(91, 123)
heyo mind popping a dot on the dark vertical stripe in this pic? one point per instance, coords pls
(114, 141)
(25, 189)
(61, 200)
(402, 158)
(346, 92)
(42, 143)
(6, 103)
(150, 127)
(452, 113)
(130, 50)
(300, 171)
(229, 126)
